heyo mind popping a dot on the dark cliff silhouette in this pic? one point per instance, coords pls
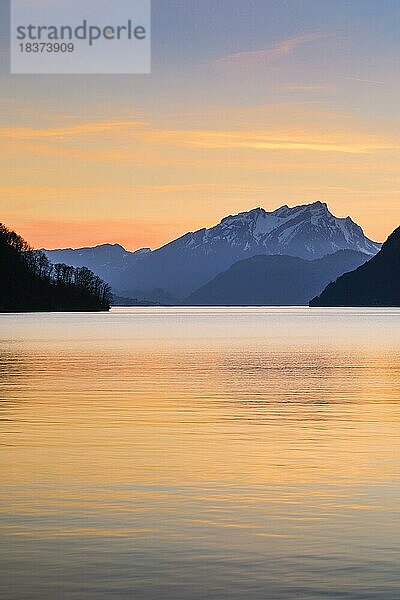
(274, 280)
(29, 282)
(376, 283)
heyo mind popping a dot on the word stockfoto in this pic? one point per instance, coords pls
(89, 33)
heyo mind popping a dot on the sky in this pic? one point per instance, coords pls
(249, 103)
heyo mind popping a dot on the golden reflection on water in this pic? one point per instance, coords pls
(191, 453)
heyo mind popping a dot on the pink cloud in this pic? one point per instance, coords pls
(270, 54)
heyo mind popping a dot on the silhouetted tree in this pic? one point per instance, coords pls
(29, 281)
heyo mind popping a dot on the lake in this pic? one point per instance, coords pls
(187, 454)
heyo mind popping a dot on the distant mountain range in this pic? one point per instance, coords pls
(178, 269)
(376, 283)
(275, 280)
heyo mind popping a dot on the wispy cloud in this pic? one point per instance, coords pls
(362, 80)
(68, 131)
(121, 140)
(270, 54)
(272, 140)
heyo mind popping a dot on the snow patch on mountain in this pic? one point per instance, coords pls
(307, 231)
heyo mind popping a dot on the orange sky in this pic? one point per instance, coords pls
(141, 183)
(295, 107)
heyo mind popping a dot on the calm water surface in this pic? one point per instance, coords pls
(185, 454)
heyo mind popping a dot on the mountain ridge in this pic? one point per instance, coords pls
(181, 266)
(277, 280)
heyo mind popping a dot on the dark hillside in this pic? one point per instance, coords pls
(376, 283)
(29, 282)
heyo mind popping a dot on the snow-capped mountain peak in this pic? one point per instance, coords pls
(306, 231)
